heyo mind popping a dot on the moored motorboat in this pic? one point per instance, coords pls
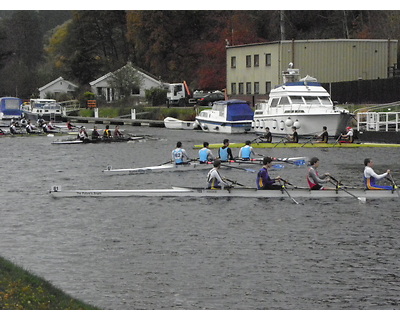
(302, 103)
(229, 116)
(56, 191)
(172, 123)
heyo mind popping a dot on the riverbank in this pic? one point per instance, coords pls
(21, 290)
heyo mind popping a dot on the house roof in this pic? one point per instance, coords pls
(55, 81)
(139, 70)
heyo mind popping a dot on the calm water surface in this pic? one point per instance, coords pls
(162, 253)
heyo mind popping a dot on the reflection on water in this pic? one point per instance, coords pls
(164, 253)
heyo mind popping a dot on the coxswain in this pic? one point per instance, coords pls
(205, 154)
(264, 181)
(214, 179)
(107, 132)
(323, 137)
(371, 177)
(294, 137)
(348, 137)
(315, 182)
(225, 153)
(179, 154)
(247, 151)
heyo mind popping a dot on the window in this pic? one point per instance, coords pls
(241, 88)
(248, 87)
(256, 87)
(267, 59)
(268, 87)
(296, 100)
(248, 61)
(284, 101)
(274, 102)
(256, 60)
(233, 88)
(233, 62)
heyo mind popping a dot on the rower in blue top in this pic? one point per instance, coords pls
(205, 154)
(247, 151)
(179, 154)
(225, 153)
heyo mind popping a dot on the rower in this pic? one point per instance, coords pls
(70, 126)
(117, 133)
(205, 154)
(82, 134)
(267, 138)
(95, 134)
(294, 137)
(348, 137)
(246, 151)
(13, 129)
(214, 179)
(179, 154)
(323, 137)
(264, 181)
(107, 132)
(225, 153)
(314, 180)
(371, 177)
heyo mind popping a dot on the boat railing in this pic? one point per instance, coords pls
(378, 121)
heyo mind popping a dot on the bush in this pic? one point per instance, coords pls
(156, 96)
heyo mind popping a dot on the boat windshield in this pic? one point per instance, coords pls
(325, 101)
(296, 100)
(284, 101)
(274, 102)
(312, 100)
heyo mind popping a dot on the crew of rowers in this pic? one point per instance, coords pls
(263, 179)
(320, 138)
(107, 135)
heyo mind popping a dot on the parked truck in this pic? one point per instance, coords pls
(179, 95)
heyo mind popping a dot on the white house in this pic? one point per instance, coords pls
(56, 87)
(101, 86)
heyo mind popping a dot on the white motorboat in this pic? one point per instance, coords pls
(173, 123)
(302, 103)
(359, 194)
(47, 109)
(228, 116)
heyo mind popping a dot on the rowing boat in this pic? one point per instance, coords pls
(304, 145)
(57, 192)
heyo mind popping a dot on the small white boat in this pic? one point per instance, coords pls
(47, 109)
(360, 194)
(229, 116)
(302, 103)
(172, 123)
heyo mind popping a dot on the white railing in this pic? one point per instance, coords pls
(378, 121)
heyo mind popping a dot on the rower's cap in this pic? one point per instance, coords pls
(348, 128)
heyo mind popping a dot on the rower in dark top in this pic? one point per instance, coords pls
(267, 136)
(294, 137)
(264, 181)
(323, 137)
(225, 153)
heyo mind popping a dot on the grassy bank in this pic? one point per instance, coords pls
(21, 290)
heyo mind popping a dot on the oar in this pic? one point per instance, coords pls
(339, 186)
(298, 161)
(283, 139)
(337, 140)
(235, 182)
(170, 161)
(394, 184)
(287, 192)
(308, 141)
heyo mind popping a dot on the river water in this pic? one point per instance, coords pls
(165, 253)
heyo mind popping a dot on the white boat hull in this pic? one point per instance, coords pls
(310, 124)
(172, 123)
(208, 125)
(230, 193)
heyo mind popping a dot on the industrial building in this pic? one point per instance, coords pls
(254, 69)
